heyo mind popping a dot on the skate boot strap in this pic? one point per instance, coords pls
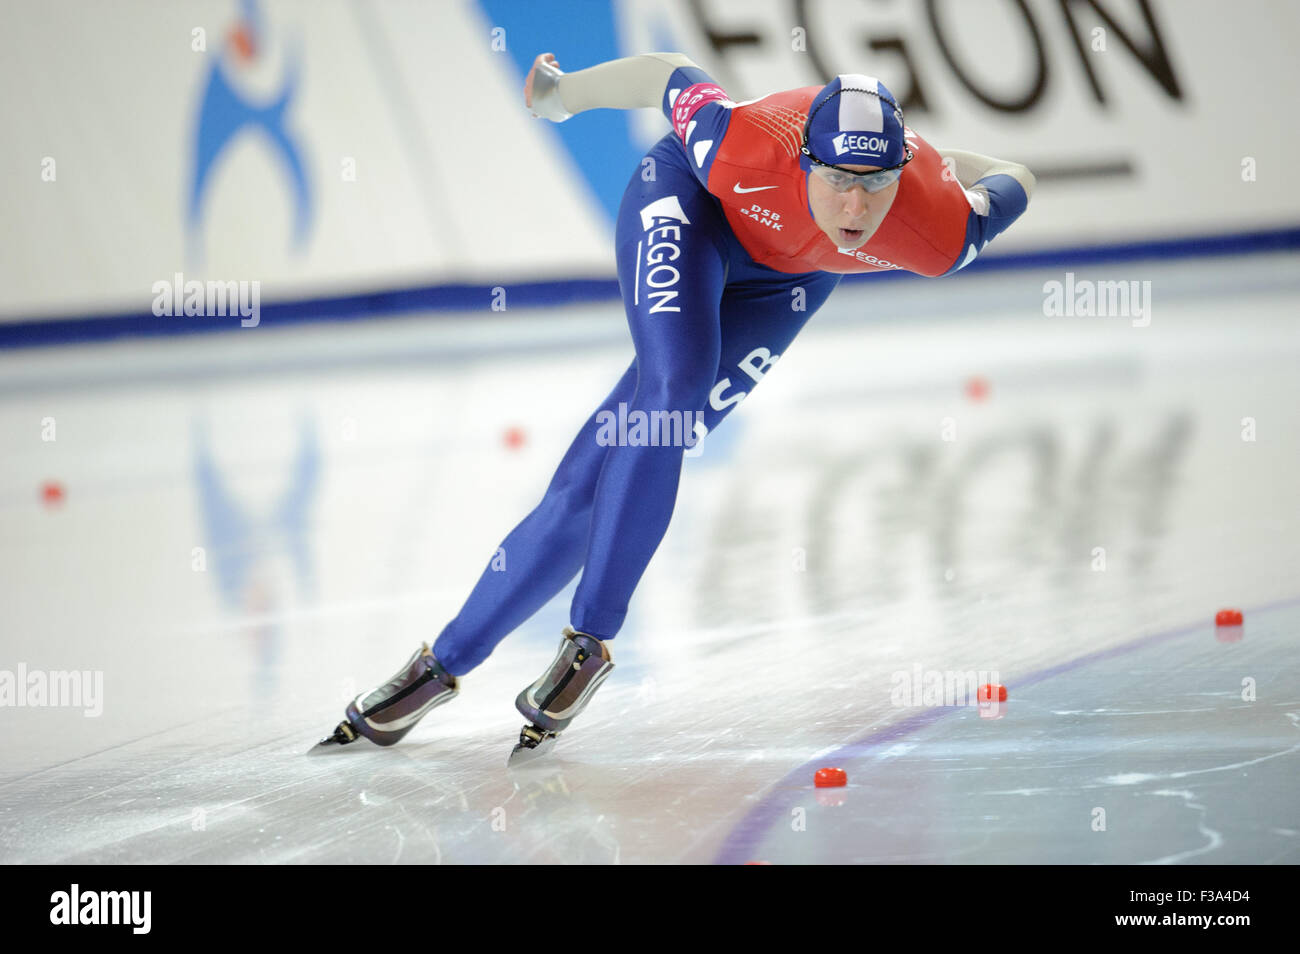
(563, 691)
(420, 670)
(384, 715)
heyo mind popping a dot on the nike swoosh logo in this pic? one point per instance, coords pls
(737, 188)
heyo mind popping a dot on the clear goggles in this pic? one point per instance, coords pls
(842, 180)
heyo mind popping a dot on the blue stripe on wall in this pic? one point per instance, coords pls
(554, 293)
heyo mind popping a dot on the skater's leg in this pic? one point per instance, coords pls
(540, 556)
(672, 269)
(759, 317)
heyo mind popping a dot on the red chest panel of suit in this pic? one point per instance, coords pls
(764, 194)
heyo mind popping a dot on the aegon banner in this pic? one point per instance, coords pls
(325, 147)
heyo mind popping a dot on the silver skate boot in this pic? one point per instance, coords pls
(385, 714)
(563, 691)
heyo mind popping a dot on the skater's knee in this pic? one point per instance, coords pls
(570, 496)
(683, 390)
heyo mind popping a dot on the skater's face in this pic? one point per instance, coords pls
(849, 217)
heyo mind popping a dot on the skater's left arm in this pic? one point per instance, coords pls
(998, 192)
(972, 169)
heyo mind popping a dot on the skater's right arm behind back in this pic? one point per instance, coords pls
(632, 82)
(697, 107)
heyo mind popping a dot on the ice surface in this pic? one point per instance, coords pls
(347, 483)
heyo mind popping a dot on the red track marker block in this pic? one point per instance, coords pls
(830, 778)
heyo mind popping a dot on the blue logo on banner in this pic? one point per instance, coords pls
(601, 142)
(225, 113)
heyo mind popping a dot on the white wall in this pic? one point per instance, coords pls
(455, 182)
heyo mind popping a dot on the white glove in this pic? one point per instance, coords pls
(546, 93)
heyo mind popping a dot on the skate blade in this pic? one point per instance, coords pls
(523, 755)
(325, 747)
(332, 743)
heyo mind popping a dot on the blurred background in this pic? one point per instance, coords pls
(332, 150)
(243, 509)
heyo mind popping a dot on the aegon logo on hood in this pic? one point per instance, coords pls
(855, 142)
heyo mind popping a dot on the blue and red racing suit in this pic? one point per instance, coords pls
(713, 252)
